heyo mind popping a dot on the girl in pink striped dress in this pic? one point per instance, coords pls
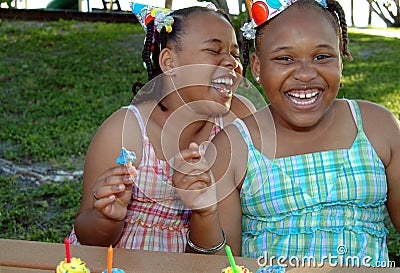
(192, 59)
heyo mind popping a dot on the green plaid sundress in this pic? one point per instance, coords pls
(327, 206)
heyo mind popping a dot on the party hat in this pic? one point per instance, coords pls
(263, 10)
(146, 13)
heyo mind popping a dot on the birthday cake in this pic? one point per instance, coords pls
(272, 269)
(126, 157)
(76, 265)
(115, 270)
(240, 269)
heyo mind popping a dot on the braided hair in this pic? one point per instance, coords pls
(156, 41)
(334, 10)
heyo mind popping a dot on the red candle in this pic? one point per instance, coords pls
(67, 250)
(109, 259)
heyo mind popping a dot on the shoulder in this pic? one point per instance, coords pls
(382, 128)
(372, 108)
(377, 116)
(121, 128)
(117, 123)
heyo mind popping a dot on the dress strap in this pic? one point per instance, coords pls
(138, 116)
(218, 125)
(355, 111)
(244, 131)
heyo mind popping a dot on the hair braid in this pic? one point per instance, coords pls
(147, 49)
(246, 56)
(163, 37)
(136, 87)
(338, 13)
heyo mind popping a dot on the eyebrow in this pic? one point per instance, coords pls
(217, 41)
(282, 48)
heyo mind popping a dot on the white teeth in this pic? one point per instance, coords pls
(303, 95)
(298, 98)
(303, 102)
(224, 91)
(227, 81)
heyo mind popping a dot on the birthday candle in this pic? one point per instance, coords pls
(231, 259)
(67, 250)
(109, 259)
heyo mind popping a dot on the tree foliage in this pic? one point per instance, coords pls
(387, 10)
(168, 4)
(8, 2)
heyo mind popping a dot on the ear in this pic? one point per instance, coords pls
(166, 60)
(255, 65)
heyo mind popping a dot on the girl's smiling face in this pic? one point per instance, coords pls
(207, 62)
(299, 64)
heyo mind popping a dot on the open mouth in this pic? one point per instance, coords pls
(223, 85)
(303, 97)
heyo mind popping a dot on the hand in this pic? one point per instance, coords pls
(193, 181)
(113, 191)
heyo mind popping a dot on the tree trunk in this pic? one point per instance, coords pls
(370, 14)
(168, 4)
(391, 15)
(352, 13)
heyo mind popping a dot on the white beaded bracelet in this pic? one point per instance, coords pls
(211, 250)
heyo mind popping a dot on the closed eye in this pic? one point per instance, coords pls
(213, 51)
(236, 56)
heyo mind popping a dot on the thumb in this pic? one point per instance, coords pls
(194, 148)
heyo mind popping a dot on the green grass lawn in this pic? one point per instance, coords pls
(60, 80)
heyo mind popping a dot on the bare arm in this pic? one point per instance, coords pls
(393, 174)
(100, 222)
(383, 130)
(207, 224)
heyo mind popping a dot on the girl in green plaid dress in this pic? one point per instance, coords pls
(308, 177)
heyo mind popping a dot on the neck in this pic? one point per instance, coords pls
(180, 124)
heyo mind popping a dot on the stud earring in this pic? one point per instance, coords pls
(258, 79)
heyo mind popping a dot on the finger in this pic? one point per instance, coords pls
(188, 154)
(106, 191)
(101, 203)
(198, 198)
(108, 208)
(193, 146)
(189, 168)
(115, 180)
(194, 182)
(119, 170)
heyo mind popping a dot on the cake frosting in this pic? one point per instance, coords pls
(115, 270)
(126, 157)
(240, 268)
(271, 269)
(76, 265)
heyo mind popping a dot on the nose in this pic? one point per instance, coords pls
(231, 62)
(305, 72)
